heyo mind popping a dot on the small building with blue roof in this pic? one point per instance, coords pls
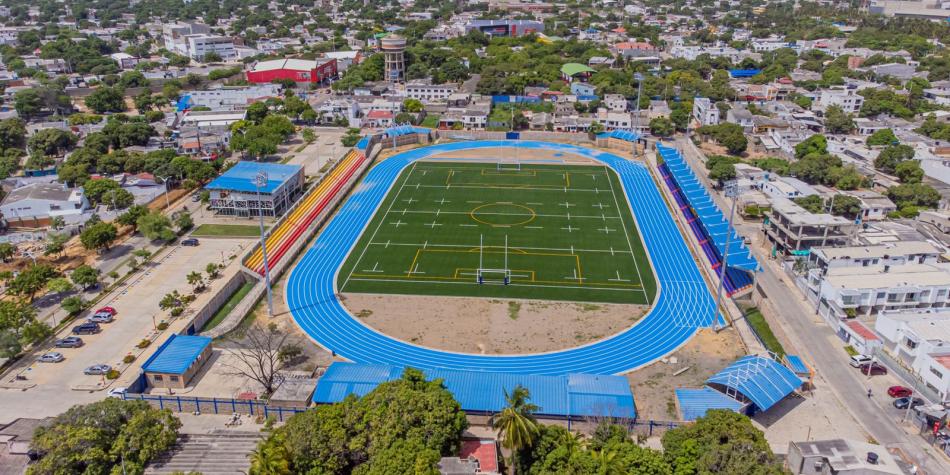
(478, 392)
(237, 193)
(177, 361)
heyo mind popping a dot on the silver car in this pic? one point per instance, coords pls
(52, 357)
(97, 369)
(101, 317)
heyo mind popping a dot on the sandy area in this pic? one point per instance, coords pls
(491, 326)
(705, 354)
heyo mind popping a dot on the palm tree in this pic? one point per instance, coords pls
(515, 423)
(607, 461)
(269, 459)
(196, 279)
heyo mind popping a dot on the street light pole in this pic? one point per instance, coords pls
(732, 191)
(260, 181)
(165, 184)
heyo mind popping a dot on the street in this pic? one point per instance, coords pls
(800, 325)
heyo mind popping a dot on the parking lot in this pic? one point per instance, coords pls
(60, 385)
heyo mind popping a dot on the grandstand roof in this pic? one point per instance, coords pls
(712, 218)
(620, 134)
(571, 69)
(405, 130)
(762, 380)
(694, 403)
(177, 354)
(241, 176)
(796, 364)
(477, 391)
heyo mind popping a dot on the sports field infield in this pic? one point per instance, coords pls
(553, 232)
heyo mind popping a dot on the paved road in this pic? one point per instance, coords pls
(830, 362)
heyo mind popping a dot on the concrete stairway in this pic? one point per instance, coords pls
(209, 454)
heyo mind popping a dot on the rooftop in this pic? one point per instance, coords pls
(900, 248)
(850, 456)
(177, 354)
(882, 277)
(800, 216)
(292, 64)
(39, 191)
(241, 176)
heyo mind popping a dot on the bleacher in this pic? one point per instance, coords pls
(300, 218)
(707, 222)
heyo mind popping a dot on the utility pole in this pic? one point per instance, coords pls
(639, 78)
(165, 184)
(732, 191)
(260, 181)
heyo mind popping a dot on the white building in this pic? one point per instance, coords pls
(201, 45)
(921, 341)
(787, 187)
(204, 119)
(233, 98)
(847, 98)
(174, 35)
(874, 206)
(34, 205)
(705, 111)
(430, 92)
(937, 218)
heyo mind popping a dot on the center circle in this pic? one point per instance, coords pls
(503, 214)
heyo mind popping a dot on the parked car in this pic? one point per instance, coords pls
(901, 403)
(189, 242)
(858, 360)
(88, 328)
(118, 393)
(899, 391)
(52, 357)
(873, 369)
(109, 310)
(100, 317)
(69, 342)
(97, 369)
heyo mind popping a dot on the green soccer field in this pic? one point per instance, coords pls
(443, 229)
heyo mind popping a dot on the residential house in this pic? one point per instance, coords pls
(36, 204)
(795, 230)
(920, 340)
(705, 111)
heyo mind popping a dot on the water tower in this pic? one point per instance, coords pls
(394, 48)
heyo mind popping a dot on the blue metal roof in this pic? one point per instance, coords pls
(177, 354)
(762, 380)
(695, 402)
(744, 73)
(620, 134)
(240, 177)
(796, 364)
(405, 130)
(363, 143)
(184, 102)
(566, 395)
(712, 218)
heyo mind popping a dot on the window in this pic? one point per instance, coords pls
(893, 298)
(881, 295)
(936, 372)
(173, 378)
(910, 343)
(157, 377)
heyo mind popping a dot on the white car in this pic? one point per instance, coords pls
(118, 393)
(52, 357)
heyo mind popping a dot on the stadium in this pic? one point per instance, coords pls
(516, 219)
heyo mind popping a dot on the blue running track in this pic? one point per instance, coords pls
(683, 305)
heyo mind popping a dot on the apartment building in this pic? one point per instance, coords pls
(794, 230)
(232, 98)
(201, 45)
(175, 35)
(920, 340)
(854, 291)
(430, 92)
(705, 111)
(845, 97)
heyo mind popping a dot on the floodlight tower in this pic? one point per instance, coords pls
(731, 190)
(260, 181)
(394, 48)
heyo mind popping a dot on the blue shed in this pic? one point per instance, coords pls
(177, 361)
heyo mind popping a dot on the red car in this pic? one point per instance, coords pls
(899, 391)
(109, 310)
(872, 369)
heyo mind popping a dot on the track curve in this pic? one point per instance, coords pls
(683, 305)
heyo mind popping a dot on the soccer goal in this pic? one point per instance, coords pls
(508, 164)
(486, 275)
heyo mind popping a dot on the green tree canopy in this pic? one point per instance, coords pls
(105, 99)
(881, 137)
(892, 155)
(156, 226)
(837, 121)
(98, 236)
(815, 144)
(721, 442)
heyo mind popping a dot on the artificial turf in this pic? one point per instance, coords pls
(570, 235)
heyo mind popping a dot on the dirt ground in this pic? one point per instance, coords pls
(491, 326)
(704, 355)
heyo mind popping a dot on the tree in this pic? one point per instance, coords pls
(52, 142)
(131, 216)
(55, 244)
(170, 301)
(723, 172)
(98, 236)
(662, 127)
(212, 57)
(156, 226)
(811, 203)
(27, 103)
(9, 344)
(183, 221)
(118, 198)
(96, 189)
(196, 280)
(847, 206)
(837, 121)
(111, 435)
(891, 156)
(909, 171)
(73, 304)
(258, 359)
(516, 425)
(213, 270)
(12, 133)
(413, 105)
(308, 135)
(31, 280)
(60, 285)
(720, 442)
(815, 144)
(85, 276)
(882, 137)
(914, 194)
(6, 251)
(105, 99)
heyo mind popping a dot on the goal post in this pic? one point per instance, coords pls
(491, 275)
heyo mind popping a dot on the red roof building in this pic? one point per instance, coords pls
(297, 70)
